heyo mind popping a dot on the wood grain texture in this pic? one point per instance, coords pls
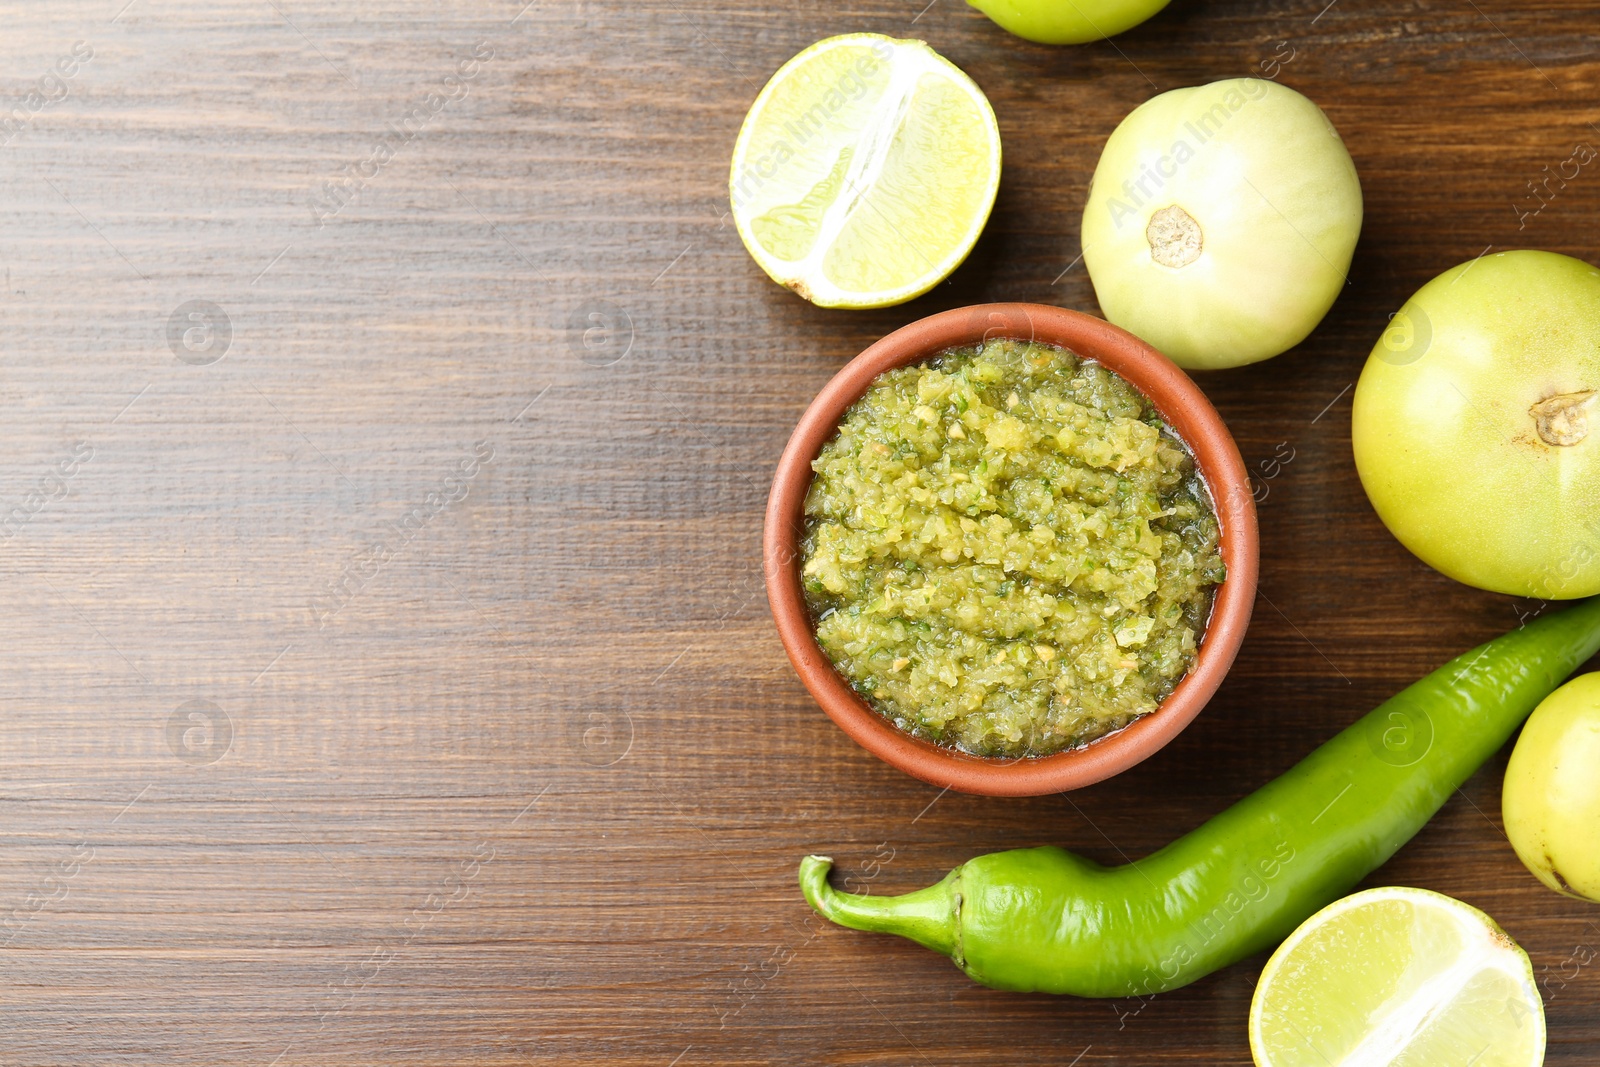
(316, 748)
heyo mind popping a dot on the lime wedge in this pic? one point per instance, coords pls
(1398, 976)
(865, 171)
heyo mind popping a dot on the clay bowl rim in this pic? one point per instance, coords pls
(1185, 409)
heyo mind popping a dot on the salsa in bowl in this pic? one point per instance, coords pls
(1011, 549)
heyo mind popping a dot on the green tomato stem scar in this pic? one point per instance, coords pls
(1563, 419)
(1174, 236)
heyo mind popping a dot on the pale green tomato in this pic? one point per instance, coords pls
(1551, 799)
(1472, 425)
(1068, 21)
(1221, 221)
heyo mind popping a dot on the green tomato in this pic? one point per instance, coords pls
(1551, 799)
(1472, 425)
(1068, 21)
(1221, 221)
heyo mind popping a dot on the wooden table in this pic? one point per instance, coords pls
(391, 679)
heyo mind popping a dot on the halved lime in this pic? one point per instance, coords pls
(1402, 977)
(865, 171)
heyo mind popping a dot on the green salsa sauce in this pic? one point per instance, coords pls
(1007, 551)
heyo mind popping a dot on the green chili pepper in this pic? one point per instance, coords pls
(1043, 919)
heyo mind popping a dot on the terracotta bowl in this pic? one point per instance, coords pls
(1191, 417)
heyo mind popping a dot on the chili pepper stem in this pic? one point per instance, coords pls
(926, 916)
